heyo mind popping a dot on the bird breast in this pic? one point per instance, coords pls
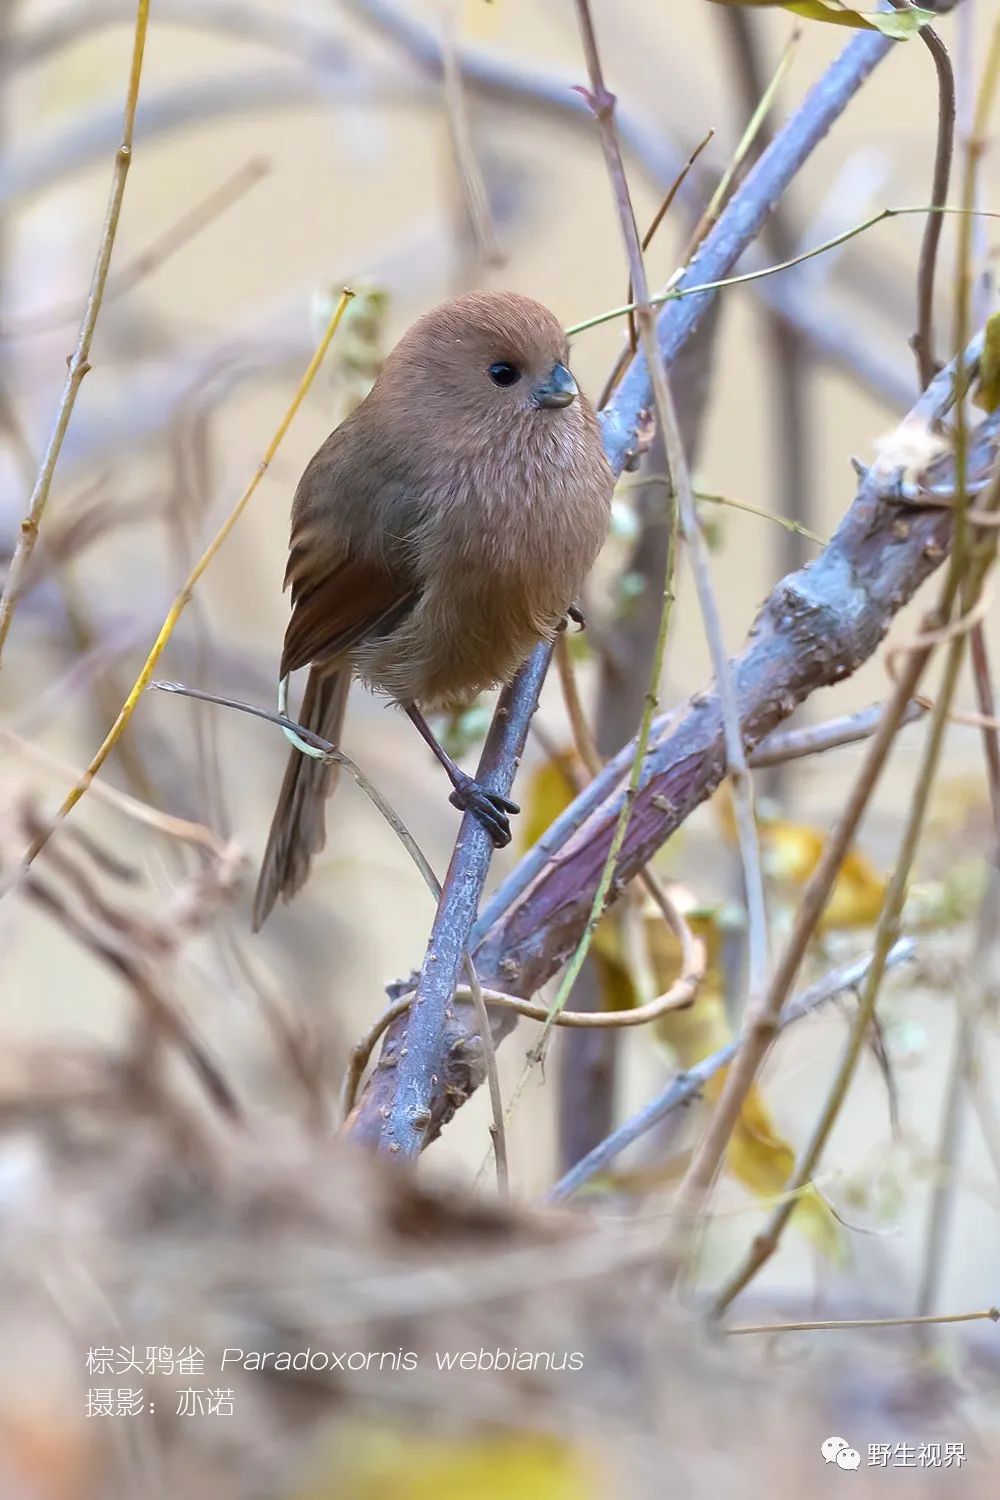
(503, 552)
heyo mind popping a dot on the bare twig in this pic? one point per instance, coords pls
(688, 1086)
(676, 291)
(793, 744)
(677, 996)
(790, 357)
(184, 596)
(332, 755)
(186, 228)
(989, 1314)
(603, 105)
(966, 574)
(961, 1068)
(176, 828)
(164, 1017)
(922, 341)
(470, 177)
(79, 362)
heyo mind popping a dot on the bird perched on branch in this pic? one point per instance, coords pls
(438, 534)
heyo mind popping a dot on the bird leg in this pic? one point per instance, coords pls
(469, 795)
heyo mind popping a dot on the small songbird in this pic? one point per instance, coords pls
(438, 534)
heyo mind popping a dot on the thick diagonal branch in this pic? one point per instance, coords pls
(816, 628)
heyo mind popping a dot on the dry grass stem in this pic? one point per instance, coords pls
(79, 361)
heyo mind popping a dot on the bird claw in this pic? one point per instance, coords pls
(574, 614)
(491, 808)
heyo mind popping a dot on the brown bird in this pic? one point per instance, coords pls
(439, 533)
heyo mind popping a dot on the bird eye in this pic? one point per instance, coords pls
(503, 374)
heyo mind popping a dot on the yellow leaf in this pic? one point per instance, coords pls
(791, 853)
(900, 25)
(756, 1155)
(397, 1466)
(763, 1162)
(551, 789)
(987, 393)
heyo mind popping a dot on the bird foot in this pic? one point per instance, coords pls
(489, 807)
(576, 614)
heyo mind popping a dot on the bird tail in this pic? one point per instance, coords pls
(298, 828)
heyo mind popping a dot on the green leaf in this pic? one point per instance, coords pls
(900, 25)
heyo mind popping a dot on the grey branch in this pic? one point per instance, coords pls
(688, 1085)
(530, 928)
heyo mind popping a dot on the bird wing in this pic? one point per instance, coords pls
(344, 606)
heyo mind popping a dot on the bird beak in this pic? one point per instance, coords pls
(557, 389)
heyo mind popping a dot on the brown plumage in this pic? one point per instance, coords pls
(437, 535)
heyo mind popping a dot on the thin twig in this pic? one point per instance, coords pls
(791, 360)
(989, 1314)
(184, 596)
(756, 129)
(792, 744)
(186, 228)
(330, 755)
(583, 737)
(966, 574)
(676, 293)
(677, 996)
(470, 177)
(688, 1085)
(647, 239)
(601, 101)
(922, 342)
(166, 1019)
(794, 527)
(79, 362)
(176, 828)
(942, 1199)
(742, 789)
(694, 956)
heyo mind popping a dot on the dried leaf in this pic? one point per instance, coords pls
(791, 853)
(550, 791)
(757, 1155)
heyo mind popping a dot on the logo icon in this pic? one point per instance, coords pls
(832, 1447)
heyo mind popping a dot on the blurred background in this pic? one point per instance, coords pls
(283, 149)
